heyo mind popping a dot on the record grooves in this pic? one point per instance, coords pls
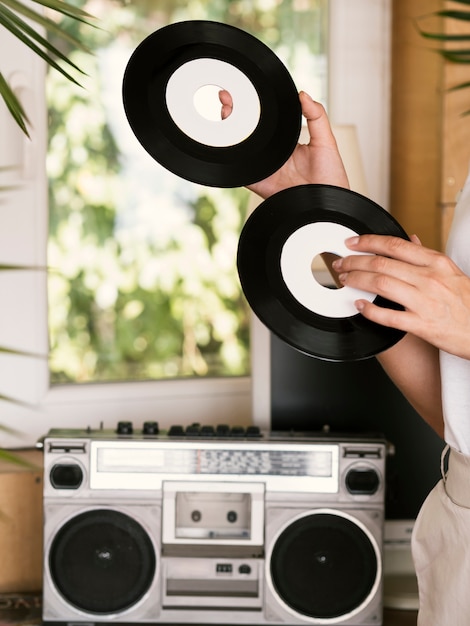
(245, 64)
(261, 251)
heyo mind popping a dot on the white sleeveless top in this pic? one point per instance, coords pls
(455, 371)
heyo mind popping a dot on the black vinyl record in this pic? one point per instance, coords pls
(277, 222)
(158, 88)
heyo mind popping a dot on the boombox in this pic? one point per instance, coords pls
(212, 526)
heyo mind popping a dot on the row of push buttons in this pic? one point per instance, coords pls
(193, 430)
(221, 430)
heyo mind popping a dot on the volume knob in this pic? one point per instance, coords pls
(124, 428)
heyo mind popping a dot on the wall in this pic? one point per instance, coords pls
(416, 121)
(430, 137)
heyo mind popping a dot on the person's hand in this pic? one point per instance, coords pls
(318, 161)
(434, 292)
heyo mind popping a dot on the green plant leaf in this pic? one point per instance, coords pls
(66, 8)
(22, 353)
(28, 35)
(455, 15)
(456, 56)
(47, 23)
(10, 456)
(27, 405)
(6, 267)
(13, 105)
(465, 85)
(10, 11)
(444, 36)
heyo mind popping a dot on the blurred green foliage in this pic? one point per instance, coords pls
(144, 282)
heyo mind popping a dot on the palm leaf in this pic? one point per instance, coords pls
(455, 15)
(14, 458)
(26, 34)
(444, 36)
(452, 54)
(13, 105)
(21, 353)
(56, 5)
(10, 18)
(48, 24)
(456, 56)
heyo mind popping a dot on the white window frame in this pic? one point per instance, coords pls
(359, 94)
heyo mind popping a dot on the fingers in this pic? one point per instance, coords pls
(317, 121)
(402, 320)
(393, 247)
(391, 267)
(226, 102)
(420, 279)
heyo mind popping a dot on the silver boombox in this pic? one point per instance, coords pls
(212, 526)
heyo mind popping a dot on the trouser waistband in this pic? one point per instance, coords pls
(457, 478)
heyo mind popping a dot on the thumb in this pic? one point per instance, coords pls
(319, 128)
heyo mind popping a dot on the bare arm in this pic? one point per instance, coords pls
(435, 295)
(413, 363)
(413, 366)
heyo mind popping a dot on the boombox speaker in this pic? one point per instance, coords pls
(260, 530)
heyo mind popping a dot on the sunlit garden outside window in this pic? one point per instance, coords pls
(143, 281)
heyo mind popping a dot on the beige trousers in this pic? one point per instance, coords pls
(441, 548)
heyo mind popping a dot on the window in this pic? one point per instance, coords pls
(358, 62)
(146, 286)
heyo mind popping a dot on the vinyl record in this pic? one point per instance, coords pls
(169, 69)
(277, 246)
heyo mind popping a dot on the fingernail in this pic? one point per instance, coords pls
(342, 277)
(352, 241)
(336, 265)
(359, 304)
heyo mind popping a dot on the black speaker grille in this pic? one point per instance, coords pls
(102, 561)
(323, 566)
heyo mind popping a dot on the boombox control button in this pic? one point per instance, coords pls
(362, 481)
(176, 431)
(124, 428)
(150, 428)
(253, 431)
(66, 476)
(222, 430)
(207, 431)
(196, 516)
(232, 517)
(193, 429)
(237, 431)
(223, 568)
(244, 569)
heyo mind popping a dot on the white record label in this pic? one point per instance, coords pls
(185, 83)
(301, 247)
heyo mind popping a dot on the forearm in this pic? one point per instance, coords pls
(413, 366)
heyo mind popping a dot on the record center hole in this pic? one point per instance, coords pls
(211, 105)
(322, 271)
